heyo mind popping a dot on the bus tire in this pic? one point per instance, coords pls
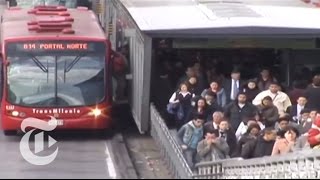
(10, 132)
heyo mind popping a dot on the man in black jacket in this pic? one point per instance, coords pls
(262, 146)
(228, 134)
(295, 110)
(237, 110)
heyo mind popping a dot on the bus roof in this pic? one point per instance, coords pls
(224, 17)
(15, 25)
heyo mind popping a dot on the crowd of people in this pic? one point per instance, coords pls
(219, 118)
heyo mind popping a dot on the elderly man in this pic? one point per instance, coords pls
(214, 124)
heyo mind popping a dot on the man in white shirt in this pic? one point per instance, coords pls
(280, 99)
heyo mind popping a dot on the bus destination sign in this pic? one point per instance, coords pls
(56, 47)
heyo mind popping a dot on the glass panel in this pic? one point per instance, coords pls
(62, 81)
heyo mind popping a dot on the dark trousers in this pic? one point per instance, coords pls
(190, 156)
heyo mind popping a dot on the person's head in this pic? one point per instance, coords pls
(242, 98)
(251, 121)
(316, 80)
(211, 135)
(313, 114)
(291, 134)
(192, 80)
(201, 103)
(274, 87)
(283, 123)
(265, 73)
(252, 84)
(270, 134)
(254, 129)
(214, 85)
(190, 72)
(224, 125)
(184, 87)
(198, 120)
(210, 97)
(235, 74)
(217, 117)
(267, 101)
(302, 101)
(305, 114)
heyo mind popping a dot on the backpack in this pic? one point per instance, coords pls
(119, 63)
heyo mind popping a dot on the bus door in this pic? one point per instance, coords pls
(139, 76)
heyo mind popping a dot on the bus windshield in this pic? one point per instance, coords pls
(56, 81)
(66, 3)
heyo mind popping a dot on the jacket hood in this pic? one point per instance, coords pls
(192, 125)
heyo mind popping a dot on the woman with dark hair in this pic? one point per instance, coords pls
(220, 92)
(312, 94)
(193, 84)
(251, 90)
(200, 108)
(268, 112)
(289, 143)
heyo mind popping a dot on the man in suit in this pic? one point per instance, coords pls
(305, 122)
(228, 134)
(295, 110)
(233, 86)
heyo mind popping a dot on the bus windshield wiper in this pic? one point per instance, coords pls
(39, 64)
(70, 66)
(74, 62)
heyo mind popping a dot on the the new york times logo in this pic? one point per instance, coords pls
(25, 150)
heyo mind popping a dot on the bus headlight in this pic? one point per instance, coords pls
(15, 113)
(95, 112)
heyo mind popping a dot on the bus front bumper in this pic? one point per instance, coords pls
(90, 123)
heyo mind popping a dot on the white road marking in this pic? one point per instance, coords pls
(110, 165)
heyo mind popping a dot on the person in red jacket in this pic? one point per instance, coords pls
(314, 134)
(119, 73)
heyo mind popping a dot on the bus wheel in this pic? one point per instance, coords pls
(10, 132)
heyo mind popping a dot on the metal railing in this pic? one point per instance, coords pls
(170, 149)
(302, 164)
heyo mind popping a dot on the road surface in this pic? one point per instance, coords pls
(78, 157)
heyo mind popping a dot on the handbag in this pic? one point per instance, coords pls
(172, 108)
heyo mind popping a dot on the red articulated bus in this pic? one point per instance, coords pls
(56, 65)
